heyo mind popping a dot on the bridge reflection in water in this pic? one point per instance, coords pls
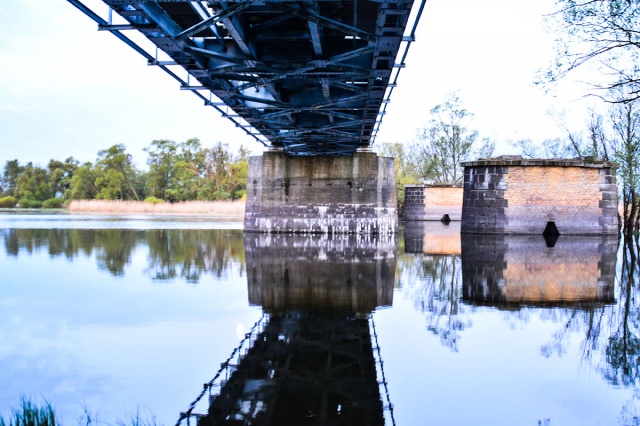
(312, 359)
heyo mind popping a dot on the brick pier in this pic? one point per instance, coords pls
(512, 195)
(432, 202)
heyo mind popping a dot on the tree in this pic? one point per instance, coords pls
(225, 175)
(445, 142)
(186, 171)
(32, 184)
(12, 170)
(118, 174)
(626, 150)
(161, 159)
(82, 185)
(605, 33)
(60, 175)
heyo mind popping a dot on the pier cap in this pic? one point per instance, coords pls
(517, 160)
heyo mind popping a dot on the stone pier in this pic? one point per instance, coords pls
(512, 195)
(432, 202)
(321, 194)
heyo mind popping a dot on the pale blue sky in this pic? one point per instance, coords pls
(68, 89)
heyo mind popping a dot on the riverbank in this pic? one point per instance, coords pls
(215, 208)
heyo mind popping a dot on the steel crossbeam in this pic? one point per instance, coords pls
(309, 76)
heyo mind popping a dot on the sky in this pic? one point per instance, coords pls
(67, 89)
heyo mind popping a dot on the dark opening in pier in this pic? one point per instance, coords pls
(551, 234)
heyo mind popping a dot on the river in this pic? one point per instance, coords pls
(117, 317)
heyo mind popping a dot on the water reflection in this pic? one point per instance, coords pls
(172, 253)
(350, 273)
(511, 271)
(553, 332)
(312, 360)
(432, 274)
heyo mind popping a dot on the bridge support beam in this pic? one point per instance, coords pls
(318, 194)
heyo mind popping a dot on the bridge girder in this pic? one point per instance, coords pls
(309, 76)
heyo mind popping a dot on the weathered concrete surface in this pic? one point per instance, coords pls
(432, 202)
(512, 270)
(516, 196)
(330, 195)
(353, 273)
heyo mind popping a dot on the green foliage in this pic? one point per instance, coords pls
(116, 174)
(110, 185)
(177, 172)
(31, 414)
(12, 170)
(53, 203)
(153, 200)
(60, 175)
(445, 142)
(8, 202)
(33, 183)
(82, 184)
(240, 194)
(29, 203)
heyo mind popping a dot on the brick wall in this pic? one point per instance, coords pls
(432, 202)
(522, 196)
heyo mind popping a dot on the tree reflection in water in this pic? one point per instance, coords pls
(190, 253)
(172, 253)
(623, 346)
(431, 273)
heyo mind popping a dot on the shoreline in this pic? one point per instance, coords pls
(210, 208)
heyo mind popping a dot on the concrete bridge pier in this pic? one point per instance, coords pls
(321, 194)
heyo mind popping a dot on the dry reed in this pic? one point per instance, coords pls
(214, 208)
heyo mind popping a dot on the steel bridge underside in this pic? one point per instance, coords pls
(311, 77)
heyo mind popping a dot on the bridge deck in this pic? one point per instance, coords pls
(312, 77)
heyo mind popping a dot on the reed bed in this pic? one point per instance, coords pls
(31, 414)
(214, 208)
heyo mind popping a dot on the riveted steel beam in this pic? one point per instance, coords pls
(320, 71)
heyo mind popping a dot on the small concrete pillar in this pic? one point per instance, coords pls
(432, 202)
(512, 195)
(320, 194)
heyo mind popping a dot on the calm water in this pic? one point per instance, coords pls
(119, 316)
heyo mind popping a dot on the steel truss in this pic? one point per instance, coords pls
(313, 77)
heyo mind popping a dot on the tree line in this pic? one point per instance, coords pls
(177, 172)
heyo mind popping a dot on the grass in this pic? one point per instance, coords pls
(215, 208)
(31, 414)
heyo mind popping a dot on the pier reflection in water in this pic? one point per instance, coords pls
(312, 359)
(508, 271)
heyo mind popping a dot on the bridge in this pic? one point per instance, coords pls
(312, 77)
(306, 78)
